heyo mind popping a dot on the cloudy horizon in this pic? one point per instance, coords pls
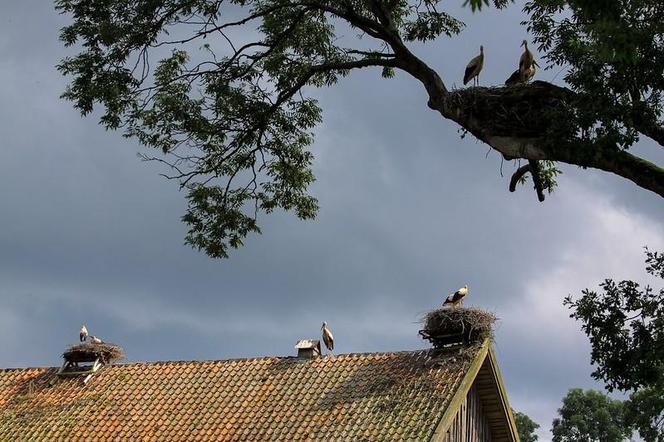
(409, 212)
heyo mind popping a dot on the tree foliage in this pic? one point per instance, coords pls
(590, 416)
(612, 51)
(526, 427)
(625, 325)
(223, 91)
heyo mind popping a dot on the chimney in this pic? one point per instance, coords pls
(308, 348)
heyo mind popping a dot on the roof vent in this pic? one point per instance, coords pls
(308, 348)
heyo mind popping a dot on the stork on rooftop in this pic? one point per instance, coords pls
(455, 299)
(96, 340)
(83, 333)
(328, 339)
(474, 68)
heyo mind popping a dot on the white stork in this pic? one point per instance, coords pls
(96, 340)
(328, 339)
(83, 334)
(526, 63)
(457, 297)
(530, 72)
(474, 68)
(528, 75)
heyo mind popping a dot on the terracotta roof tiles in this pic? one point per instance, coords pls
(374, 396)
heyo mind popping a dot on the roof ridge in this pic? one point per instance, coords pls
(249, 358)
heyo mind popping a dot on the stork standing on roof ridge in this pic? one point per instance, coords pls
(474, 68)
(455, 299)
(83, 334)
(328, 339)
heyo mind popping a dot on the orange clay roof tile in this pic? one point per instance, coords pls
(383, 396)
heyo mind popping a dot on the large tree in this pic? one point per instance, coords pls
(526, 427)
(625, 324)
(590, 416)
(224, 90)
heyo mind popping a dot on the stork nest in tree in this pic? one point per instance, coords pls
(89, 352)
(524, 111)
(453, 326)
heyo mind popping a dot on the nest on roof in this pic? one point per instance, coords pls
(447, 327)
(89, 352)
(525, 111)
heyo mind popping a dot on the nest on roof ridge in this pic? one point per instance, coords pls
(89, 352)
(446, 327)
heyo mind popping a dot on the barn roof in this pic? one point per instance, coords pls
(371, 396)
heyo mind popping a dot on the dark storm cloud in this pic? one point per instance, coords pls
(409, 211)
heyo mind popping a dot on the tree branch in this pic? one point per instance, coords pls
(516, 176)
(648, 127)
(534, 169)
(532, 143)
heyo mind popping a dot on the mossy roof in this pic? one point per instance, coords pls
(354, 397)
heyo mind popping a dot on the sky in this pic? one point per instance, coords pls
(409, 212)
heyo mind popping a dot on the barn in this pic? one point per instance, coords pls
(446, 395)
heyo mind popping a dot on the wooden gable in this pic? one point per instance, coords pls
(479, 411)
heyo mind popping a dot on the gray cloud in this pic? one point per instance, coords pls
(409, 211)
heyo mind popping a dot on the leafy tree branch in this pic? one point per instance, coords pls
(229, 103)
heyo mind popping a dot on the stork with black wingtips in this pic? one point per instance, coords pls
(83, 333)
(514, 79)
(526, 64)
(328, 339)
(455, 299)
(474, 68)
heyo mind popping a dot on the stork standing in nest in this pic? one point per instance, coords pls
(516, 78)
(328, 339)
(527, 68)
(96, 340)
(83, 333)
(455, 299)
(526, 64)
(474, 68)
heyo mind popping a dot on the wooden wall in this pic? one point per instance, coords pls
(470, 423)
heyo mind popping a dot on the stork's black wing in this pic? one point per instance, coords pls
(468, 74)
(515, 78)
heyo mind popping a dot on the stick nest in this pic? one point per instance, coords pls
(452, 326)
(89, 352)
(517, 111)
